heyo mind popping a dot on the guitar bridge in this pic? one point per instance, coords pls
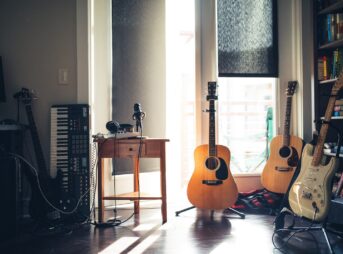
(212, 182)
(283, 169)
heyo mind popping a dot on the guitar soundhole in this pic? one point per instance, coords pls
(211, 163)
(285, 152)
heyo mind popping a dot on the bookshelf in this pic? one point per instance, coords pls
(328, 55)
(328, 63)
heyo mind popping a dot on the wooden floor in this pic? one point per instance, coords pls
(191, 232)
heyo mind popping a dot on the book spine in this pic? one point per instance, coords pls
(333, 27)
(338, 113)
(334, 63)
(325, 72)
(328, 27)
(339, 22)
(320, 69)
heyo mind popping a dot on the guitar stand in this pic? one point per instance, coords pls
(280, 228)
(241, 215)
(279, 223)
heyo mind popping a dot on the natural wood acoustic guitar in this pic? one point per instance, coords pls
(212, 185)
(285, 153)
(310, 194)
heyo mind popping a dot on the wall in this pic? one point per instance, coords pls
(296, 63)
(139, 69)
(37, 38)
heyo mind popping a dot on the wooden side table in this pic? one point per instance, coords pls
(129, 148)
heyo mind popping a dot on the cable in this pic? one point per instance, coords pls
(42, 192)
(302, 230)
(93, 180)
(115, 221)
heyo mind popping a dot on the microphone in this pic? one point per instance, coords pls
(138, 115)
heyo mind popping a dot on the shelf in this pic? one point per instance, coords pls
(328, 81)
(332, 8)
(133, 196)
(333, 154)
(334, 118)
(332, 45)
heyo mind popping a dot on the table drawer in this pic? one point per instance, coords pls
(131, 150)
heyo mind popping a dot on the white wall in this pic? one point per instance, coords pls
(37, 38)
(296, 63)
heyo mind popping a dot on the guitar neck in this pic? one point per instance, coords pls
(42, 170)
(287, 124)
(212, 130)
(318, 152)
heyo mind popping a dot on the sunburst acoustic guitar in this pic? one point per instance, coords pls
(310, 194)
(211, 185)
(285, 153)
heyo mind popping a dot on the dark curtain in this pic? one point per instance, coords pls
(247, 38)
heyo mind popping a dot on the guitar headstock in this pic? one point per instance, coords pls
(338, 84)
(292, 86)
(212, 88)
(25, 95)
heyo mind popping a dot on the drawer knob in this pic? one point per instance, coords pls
(130, 149)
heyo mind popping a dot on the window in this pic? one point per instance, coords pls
(245, 127)
(180, 90)
(247, 47)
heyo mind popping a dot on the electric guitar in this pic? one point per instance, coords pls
(285, 153)
(39, 208)
(212, 185)
(310, 194)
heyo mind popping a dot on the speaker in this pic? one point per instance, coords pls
(13, 183)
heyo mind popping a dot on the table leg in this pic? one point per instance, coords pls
(136, 183)
(163, 182)
(100, 190)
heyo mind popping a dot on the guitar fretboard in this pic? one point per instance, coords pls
(287, 124)
(318, 152)
(43, 172)
(212, 130)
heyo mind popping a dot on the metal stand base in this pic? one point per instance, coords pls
(241, 215)
(279, 227)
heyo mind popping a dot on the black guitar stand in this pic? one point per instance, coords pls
(241, 215)
(279, 222)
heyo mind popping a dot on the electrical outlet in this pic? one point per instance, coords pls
(63, 77)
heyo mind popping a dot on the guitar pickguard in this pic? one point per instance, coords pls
(222, 172)
(310, 194)
(293, 160)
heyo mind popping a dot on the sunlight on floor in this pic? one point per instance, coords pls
(120, 245)
(140, 248)
(143, 227)
(222, 248)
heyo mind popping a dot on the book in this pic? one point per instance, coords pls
(339, 102)
(328, 28)
(339, 22)
(320, 69)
